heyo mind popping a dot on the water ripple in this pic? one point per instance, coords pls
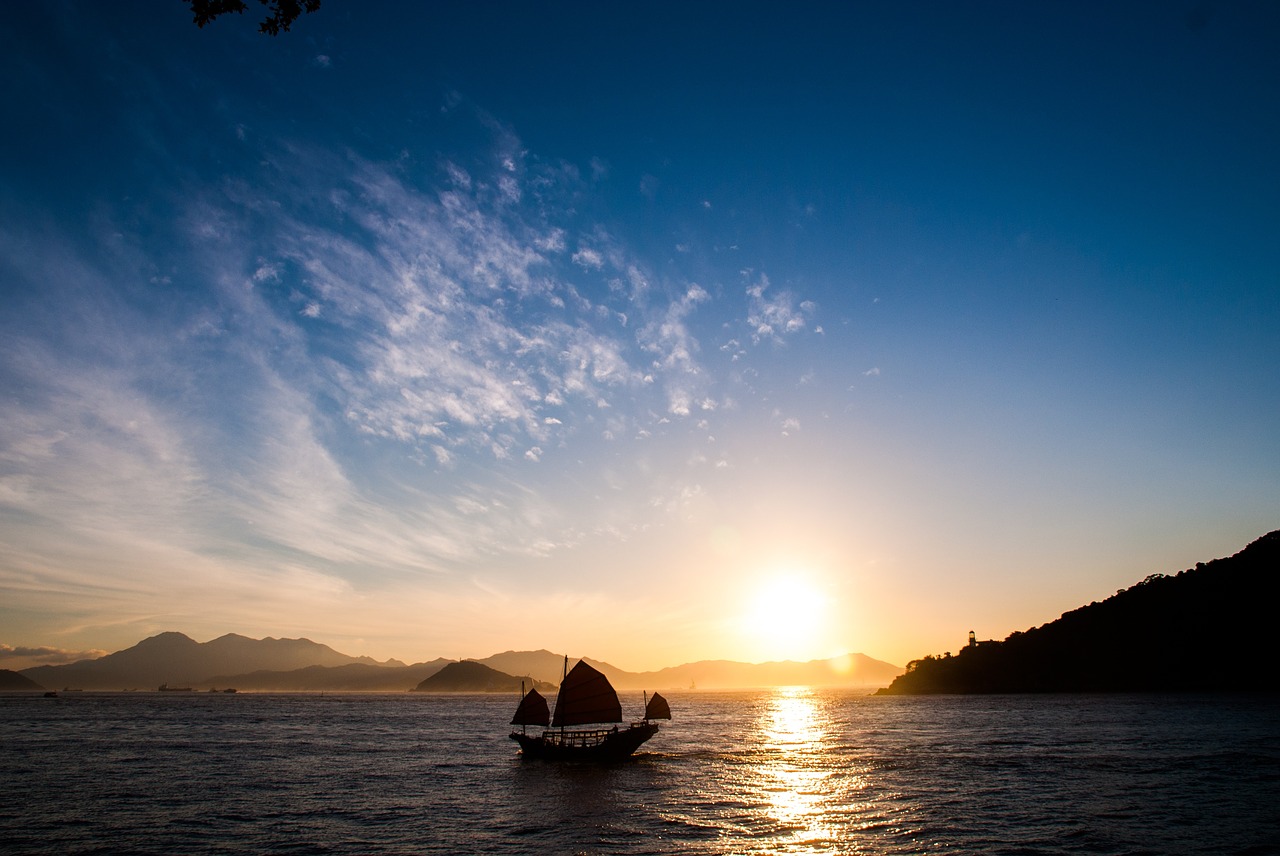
(792, 771)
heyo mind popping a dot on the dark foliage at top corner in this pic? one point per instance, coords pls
(282, 13)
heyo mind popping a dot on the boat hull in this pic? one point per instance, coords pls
(595, 747)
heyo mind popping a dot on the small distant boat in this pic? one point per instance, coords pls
(165, 688)
(586, 698)
(51, 694)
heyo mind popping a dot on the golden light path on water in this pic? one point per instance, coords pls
(789, 771)
(796, 772)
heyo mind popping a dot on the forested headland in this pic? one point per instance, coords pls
(1202, 629)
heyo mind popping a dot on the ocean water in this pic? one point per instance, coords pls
(778, 771)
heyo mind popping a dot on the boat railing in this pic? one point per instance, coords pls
(577, 736)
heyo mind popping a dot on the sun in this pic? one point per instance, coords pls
(785, 616)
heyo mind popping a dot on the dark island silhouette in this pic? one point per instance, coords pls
(1203, 629)
(469, 676)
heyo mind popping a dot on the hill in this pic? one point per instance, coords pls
(470, 676)
(542, 664)
(300, 665)
(851, 670)
(351, 678)
(178, 660)
(1203, 629)
(11, 681)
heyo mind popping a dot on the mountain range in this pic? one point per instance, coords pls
(178, 660)
(300, 665)
(11, 681)
(1205, 628)
(856, 670)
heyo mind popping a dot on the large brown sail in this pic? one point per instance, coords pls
(532, 710)
(586, 696)
(657, 708)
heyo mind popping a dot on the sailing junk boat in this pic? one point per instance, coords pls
(586, 698)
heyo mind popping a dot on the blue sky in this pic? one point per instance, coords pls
(442, 329)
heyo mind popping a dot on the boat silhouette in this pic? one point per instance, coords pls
(586, 698)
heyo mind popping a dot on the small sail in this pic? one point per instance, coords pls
(657, 708)
(532, 710)
(586, 696)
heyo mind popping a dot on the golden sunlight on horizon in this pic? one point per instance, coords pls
(785, 617)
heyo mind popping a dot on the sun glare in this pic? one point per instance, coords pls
(785, 617)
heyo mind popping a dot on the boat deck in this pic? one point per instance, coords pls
(592, 744)
(580, 736)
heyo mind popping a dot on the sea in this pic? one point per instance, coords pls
(779, 771)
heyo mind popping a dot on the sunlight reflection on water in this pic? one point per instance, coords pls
(793, 732)
(811, 798)
(789, 771)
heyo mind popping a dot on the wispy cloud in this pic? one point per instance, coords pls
(352, 384)
(675, 351)
(588, 258)
(20, 657)
(771, 317)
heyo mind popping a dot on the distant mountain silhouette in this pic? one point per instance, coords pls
(853, 670)
(543, 665)
(353, 677)
(300, 665)
(11, 681)
(470, 676)
(178, 660)
(1204, 629)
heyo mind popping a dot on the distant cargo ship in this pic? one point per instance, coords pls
(165, 688)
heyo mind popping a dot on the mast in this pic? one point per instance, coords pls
(564, 673)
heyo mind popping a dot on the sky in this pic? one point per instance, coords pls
(647, 332)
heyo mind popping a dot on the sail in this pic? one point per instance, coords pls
(657, 708)
(586, 696)
(532, 710)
